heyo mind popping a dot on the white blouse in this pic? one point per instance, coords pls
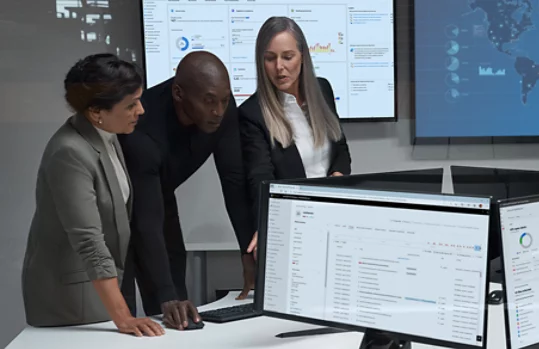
(315, 160)
(108, 139)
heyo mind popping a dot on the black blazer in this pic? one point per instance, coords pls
(263, 162)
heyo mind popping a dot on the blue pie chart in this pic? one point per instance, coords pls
(452, 63)
(452, 47)
(525, 240)
(452, 31)
(452, 95)
(452, 79)
(182, 43)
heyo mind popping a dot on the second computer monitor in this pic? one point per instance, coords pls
(499, 184)
(411, 264)
(519, 222)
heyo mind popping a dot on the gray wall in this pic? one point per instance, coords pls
(37, 48)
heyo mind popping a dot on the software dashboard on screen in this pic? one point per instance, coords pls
(351, 43)
(520, 223)
(408, 263)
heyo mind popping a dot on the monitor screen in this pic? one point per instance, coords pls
(476, 68)
(498, 183)
(351, 43)
(407, 263)
(519, 221)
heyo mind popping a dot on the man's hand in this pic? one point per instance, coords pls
(253, 245)
(249, 270)
(139, 327)
(176, 313)
(336, 174)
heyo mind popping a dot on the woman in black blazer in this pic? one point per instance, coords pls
(289, 128)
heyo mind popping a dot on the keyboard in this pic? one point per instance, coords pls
(233, 313)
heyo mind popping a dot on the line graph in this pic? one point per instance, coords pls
(318, 48)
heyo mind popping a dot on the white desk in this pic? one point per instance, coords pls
(249, 334)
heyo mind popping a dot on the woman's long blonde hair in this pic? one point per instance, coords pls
(324, 123)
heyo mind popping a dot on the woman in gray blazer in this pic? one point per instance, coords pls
(78, 242)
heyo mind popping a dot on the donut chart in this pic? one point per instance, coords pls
(182, 43)
(525, 240)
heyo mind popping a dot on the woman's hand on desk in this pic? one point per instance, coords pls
(139, 327)
(336, 174)
(109, 292)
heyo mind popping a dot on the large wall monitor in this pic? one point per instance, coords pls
(477, 68)
(411, 264)
(351, 43)
(520, 256)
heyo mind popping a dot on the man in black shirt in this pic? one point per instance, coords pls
(186, 119)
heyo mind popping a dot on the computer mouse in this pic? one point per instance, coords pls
(192, 325)
(495, 297)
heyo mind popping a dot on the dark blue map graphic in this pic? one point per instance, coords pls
(477, 68)
(529, 72)
(503, 27)
(507, 21)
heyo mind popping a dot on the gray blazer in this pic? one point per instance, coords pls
(79, 232)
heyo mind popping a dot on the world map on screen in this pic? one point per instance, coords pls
(476, 68)
(507, 21)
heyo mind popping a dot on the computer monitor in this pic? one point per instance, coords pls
(519, 222)
(408, 264)
(425, 180)
(498, 183)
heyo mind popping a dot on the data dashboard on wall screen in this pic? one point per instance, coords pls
(476, 68)
(351, 43)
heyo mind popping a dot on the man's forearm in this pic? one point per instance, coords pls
(154, 263)
(111, 296)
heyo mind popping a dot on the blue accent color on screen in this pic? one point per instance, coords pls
(477, 68)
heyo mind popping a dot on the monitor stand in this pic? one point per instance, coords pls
(379, 340)
(496, 270)
(371, 339)
(311, 332)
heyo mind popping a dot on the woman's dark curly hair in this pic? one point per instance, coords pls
(100, 81)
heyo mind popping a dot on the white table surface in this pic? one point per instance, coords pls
(252, 333)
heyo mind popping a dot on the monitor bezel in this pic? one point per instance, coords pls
(502, 203)
(343, 120)
(260, 282)
(390, 176)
